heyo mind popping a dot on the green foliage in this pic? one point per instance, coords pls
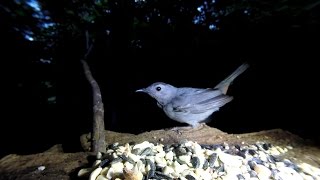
(140, 24)
(74, 18)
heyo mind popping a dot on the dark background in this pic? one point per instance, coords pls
(279, 90)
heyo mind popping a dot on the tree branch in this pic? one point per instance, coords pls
(98, 135)
(98, 144)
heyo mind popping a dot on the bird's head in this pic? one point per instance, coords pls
(160, 91)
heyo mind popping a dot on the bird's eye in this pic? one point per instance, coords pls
(158, 88)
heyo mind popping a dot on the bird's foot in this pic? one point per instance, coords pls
(179, 130)
(199, 125)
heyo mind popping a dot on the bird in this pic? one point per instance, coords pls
(189, 105)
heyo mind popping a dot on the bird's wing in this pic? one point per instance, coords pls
(199, 101)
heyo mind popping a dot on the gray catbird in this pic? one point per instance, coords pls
(192, 105)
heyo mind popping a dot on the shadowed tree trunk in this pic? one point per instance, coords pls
(98, 136)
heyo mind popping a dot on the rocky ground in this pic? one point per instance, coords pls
(54, 164)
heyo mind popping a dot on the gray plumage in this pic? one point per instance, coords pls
(192, 105)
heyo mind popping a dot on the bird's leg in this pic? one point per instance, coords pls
(187, 128)
(179, 130)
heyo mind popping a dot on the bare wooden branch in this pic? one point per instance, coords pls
(98, 143)
(88, 51)
(87, 41)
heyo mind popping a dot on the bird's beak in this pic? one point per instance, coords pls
(141, 90)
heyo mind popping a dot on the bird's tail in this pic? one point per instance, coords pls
(224, 85)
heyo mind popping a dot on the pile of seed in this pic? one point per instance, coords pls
(192, 161)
